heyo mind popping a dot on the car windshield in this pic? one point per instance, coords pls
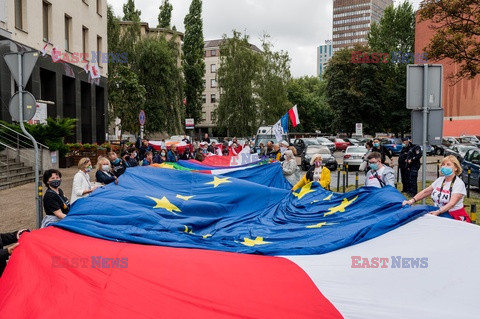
(323, 140)
(354, 140)
(464, 148)
(319, 150)
(339, 140)
(311, 141)
(356, 150)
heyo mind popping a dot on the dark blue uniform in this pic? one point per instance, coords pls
(413, 165)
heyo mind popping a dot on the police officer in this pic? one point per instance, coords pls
(384, 152)
(414, 155)
(402, 163)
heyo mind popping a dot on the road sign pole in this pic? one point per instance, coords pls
(141, 132)
(425, 123)
(38, 186)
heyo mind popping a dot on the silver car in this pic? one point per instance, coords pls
(326, 142)
(354, 156)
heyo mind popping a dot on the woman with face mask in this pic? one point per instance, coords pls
(317, 173)
(55, 204)
(82, 186)
(447, 191)
(104, 173)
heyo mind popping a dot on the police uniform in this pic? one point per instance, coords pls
(402, 164)
(414, 155)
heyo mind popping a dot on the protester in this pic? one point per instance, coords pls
(55, 204)
(104, 172)
(148, 160)
(144, 149)
(82, 186)
(447, 192)
(236, 148)
(316, 173)
(118, 165)
(283, 149)
(290, 167)
(5, 240)
(275, 154)
(172, 155)
(413, 165)
(364, 165)
(206, 138)
(379, 175)
(185, 139)
(131, 159)
(186, 155)
(384, 152)
(160, 157)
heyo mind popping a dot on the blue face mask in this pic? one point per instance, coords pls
(446, 171)
(116, 161)
(373, 166)
(376, 145)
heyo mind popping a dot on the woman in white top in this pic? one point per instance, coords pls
(290, 167)
(447, 191)
(82, 186)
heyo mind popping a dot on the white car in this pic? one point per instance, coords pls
(354, 156)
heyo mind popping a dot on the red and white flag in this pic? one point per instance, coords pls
(293, 114)
(94, 71)
(44, 50)
(56, 55)
(86, 67)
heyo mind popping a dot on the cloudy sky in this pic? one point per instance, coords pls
(297, 27)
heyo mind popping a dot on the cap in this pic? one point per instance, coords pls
(284, 143)
(404, 139)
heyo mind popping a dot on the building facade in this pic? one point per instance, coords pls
(75, 33)
(461, 100)
(324, 54)
(352, 20)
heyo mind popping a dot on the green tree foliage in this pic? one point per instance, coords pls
(130, 13)
(156, 64)
(395, 34)
(457, 33)
(271, 83)
(127, 98)
(165, 15)
(193, 60)
(113, 30)
(237, 110)
(309, 94)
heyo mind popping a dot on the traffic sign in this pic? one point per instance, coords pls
(28, 59)
(141, 117)
(29, 106)
(416, 91)
(189, 124)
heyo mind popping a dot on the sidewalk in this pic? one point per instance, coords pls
(18, 204)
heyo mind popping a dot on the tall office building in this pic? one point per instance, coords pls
(352, 20)
(324, 54)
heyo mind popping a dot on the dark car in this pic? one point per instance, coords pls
(353, 141)
(301, 143)
(328, 160)
(393, 144)
(471, 161)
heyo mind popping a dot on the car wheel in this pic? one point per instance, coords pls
(438, 151)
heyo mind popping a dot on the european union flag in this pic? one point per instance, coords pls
(185, 209)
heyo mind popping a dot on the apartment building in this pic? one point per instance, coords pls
(352, 20)
(73, 31)
(324, 54)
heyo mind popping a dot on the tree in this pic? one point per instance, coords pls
(165, 15)
(237, 110)
(193, 60)
(271, 83)
(457, 33)
(309, 94)
(157, 67)
(130, 13)
(395, 34)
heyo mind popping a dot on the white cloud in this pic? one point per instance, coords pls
(297, 27)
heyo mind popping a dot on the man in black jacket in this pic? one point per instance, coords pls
(5, 240)
(402, 163)
(413, 165)
(384, 152)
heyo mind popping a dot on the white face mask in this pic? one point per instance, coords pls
(283, 149)
(106, 168)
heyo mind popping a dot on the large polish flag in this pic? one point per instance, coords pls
(293, 113)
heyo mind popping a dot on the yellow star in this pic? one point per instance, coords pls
(252, 242)
(328, 197)
(217, 181)
(304, 191)
(165, 204)
(319, 225)
(206, 236)
(340, 208)
(185, 197)
(187, 230)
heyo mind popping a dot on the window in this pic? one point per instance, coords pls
(19, 14)
(85, 41)
(99, 50)
(204, 116)
(204, 84)
(213, 68)
(213, 98)
(99, 7)
(46, 20)
(3, 13)
(68, 28)
(213, 83)
(204, 98)
(213, 116)
(213, 52)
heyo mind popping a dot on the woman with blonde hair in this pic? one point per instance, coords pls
(316, 173)
(290, 167)
(82, 186)
(447, 192)
(104, 172)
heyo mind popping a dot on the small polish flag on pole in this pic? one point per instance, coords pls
(95, 72)
(44, 50)
(86, 67)
(293, 114)
(55, 55)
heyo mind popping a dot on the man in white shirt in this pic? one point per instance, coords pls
(379, 175)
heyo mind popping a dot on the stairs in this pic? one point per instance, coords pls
(15, 173)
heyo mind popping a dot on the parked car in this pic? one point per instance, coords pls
(450, 139)
(340, 144)
(301, 143)
(354, 156)
(459, 151)
(353, 141)
(393, 144)
(472, 139)
(328, 160)
(326, 142)
(471, 161)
